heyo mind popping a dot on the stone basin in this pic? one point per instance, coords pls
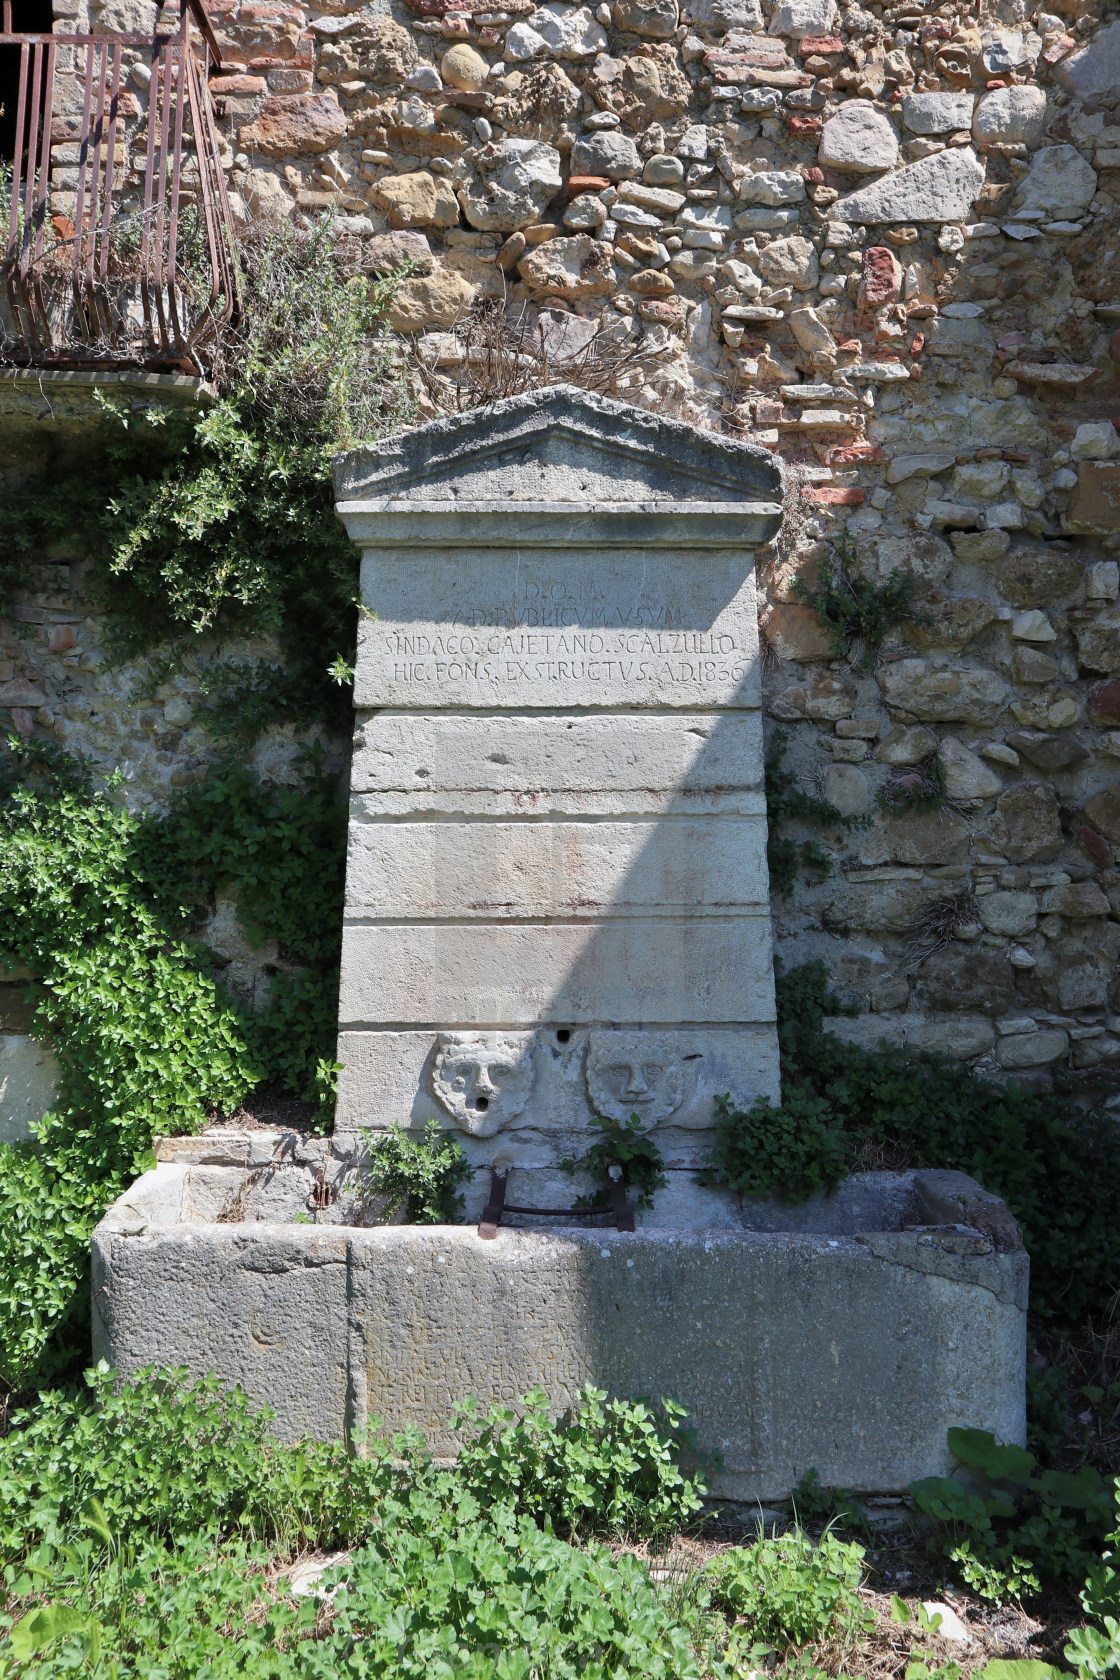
(845, 1336)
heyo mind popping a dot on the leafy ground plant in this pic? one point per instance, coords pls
(143, 1535)
(786, 1591)
(611, 1466)
(165, 1457)
(1029, 1525)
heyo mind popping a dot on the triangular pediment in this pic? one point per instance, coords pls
(560, 444)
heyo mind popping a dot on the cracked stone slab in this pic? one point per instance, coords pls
(941, 188)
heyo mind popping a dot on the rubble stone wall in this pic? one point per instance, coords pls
(882, 240)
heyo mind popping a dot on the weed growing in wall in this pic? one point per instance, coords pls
(787, 802)
(859, 615)
(418, 1178)
(919, 789)
(620, 1143)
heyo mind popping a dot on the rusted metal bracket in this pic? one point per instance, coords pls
(497, 1205)
(492, 1212)
(616, 1187)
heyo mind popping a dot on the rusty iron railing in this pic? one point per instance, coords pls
(120, 244)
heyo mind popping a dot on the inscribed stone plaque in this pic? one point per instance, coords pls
(513, 628)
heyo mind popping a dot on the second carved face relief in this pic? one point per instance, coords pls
(634, 1073)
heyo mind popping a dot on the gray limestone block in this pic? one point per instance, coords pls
(536, 867)
(261, 1305)
(387, 1079)
(662, 971)
(1060, 183)
(550, 756)
(1096, 68)
(943, 1196)
(858, 140)
(1015, 115)
(962, 1037)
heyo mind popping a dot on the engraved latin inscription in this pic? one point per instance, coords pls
(465, 654)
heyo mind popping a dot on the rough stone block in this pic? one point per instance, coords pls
(1031, 1050)
(1013, 116)
(937, 113)
(858, 140)
(852, 1354)
(663, 971)
(961, 1036)
(1013, 914)
(28, 1081)
(957, 694)
(1095, 509)
(663, 865)
(941, 188)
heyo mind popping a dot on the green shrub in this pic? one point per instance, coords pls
(1057, 1168)
(789, 1592)
(500, 1600)
(419, 1177)
(99, 903)
(794, 1150)
(612, 1467)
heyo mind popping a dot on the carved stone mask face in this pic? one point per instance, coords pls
(483, 1080)
(634, 1073)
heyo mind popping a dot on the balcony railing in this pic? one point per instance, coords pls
(120, 248)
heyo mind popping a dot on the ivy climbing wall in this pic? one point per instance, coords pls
(881, 240)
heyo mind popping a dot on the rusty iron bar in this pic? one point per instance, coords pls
(177, 321)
